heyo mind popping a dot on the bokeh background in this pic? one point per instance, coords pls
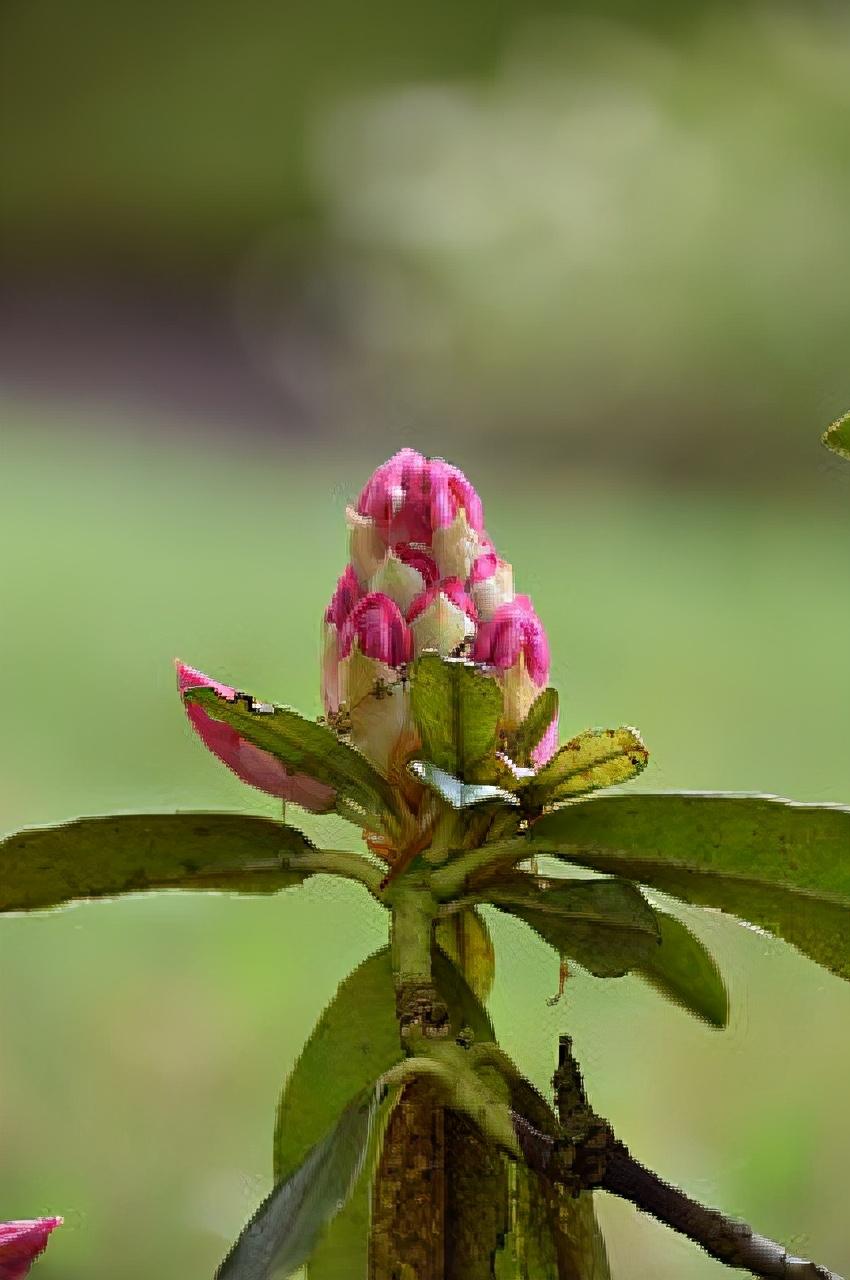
(596, 253)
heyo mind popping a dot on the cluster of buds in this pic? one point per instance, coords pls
(423, 575)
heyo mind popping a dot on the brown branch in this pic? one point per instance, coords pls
(601, 1160)
(733, 1243)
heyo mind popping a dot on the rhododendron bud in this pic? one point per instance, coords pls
(21, 1243)
(491, 581)
(424, 576)
(253, 765)
(442, 618)
(409, 497)
(344, 598)
(452, 494)
(378, 627)
(374, 642)
(514, 643)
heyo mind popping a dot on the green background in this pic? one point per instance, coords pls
(598, 255)
(145, 1041)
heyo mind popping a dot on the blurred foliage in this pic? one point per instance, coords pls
(609, 231)
(176, 132)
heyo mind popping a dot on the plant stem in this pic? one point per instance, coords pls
(451, 880)
(601, 1160)
(413, 912)
(733, 1243)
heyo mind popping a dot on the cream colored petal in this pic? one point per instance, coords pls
(379, 722)
(330, 670)
(400, 581)
(493, 591)
(359, 675)
(442, 626)
(367, 547)
(519, 692)
(455, 548)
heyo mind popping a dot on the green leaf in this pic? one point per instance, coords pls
(460, 795)
(782, 866)
(837, 437)
(457, 709)
(285, 1229)
(129, 853)
(606, 925)
(543, 1245)
(684, 971)
(523, 740)
(355, 1041)
(596, 758)
(304, 746)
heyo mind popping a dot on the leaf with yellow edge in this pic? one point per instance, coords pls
(594, 759)
(837, 437)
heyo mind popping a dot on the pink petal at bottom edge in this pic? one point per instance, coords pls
(21, 1243)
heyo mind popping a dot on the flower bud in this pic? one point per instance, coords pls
(374, 642)
(491, 581)
(442, 618)
(21, 1243)
(344, 598)
(377, 625)
(514, 643)
(253, 765)
(409, 497)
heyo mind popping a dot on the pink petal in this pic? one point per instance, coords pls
(515, 631)
(378, 625)
(409, 496)
(546, 747)
(344, 598)
(418, 560)
(452, 589)
(486, 563)
(253, 765)
(21, 1243)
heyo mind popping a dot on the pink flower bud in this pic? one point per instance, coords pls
(514, 642)
(491, 581)
(486, 562)
(452, 493)
(253, 765)
(344, 598)
(21, 1243)
(514, 633)
(378, 626)
(410, 496)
